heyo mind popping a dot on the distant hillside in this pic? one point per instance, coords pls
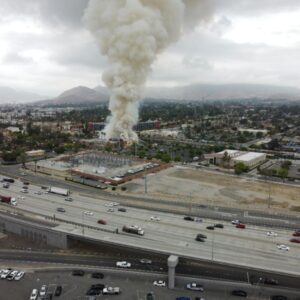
(196, 92)
(9, 95)
(76, 96)
(224, 92)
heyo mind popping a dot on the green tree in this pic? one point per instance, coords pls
(283, 173)
(240, 168)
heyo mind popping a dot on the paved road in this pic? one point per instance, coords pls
(190, 268)
(217, 213)
(172, 234)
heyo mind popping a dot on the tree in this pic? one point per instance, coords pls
(240, 168)
(226, 159)
(283, 173)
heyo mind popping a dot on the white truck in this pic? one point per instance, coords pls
(133, 229)
(59, 191)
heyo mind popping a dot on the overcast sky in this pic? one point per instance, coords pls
(45, 49)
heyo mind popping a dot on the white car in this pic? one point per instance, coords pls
(111, 210)
(21, 198)
(154, 218)
(283, 247)
(5, 273)
(108, 204)
(88, 213)
(195, 287)
(13, 202)
(160, 283)
(115, 203)
(19, 275)
(69, 199)
(24, 191)
(12, 275)
(111, 291)
(235, 222)
(272, 233)
(34, 294)
(123, 264)
(43, 291)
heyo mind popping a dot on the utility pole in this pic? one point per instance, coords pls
(212, 247)
(82, 223)
(145, 179)
(269, 201)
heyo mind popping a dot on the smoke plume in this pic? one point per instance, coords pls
(131, 33)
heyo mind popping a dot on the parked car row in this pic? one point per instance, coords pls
(44, 293)
(10, 274)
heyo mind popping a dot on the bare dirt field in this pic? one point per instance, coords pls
(213, 188)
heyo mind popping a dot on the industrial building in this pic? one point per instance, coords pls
(249, 159)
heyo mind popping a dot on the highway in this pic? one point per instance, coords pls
(246, 247)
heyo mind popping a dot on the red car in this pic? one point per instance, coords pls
(101, 222)
(295, 240)
(240, 225)
(296, 233)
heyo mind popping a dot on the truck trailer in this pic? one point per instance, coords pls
(8, 200)
(133, 229)
(59, 191)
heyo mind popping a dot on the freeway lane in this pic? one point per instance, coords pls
(172, 234)
(186, 268)
(218, 213)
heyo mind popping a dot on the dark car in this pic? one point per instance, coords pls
(26, 183)
(122, 209)
(210, 227)
(270, 281)
(60, 209)
(219, 226)
(58, 290)
(150, 296)
(98, 275)
(93, 292)
(240, 225)
(98, 286)
(295, 241)
(239, 293)
(78, 273)
(199, 239)
(279, 297)
(103, 222)
(202, 236)
(188, 218)
(296, 233)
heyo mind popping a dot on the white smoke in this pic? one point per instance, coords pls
(131, 33)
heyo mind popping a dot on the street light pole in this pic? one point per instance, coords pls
(82, 223)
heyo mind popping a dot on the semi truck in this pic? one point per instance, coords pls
(59, 191)
(133, 229)
(8, 200)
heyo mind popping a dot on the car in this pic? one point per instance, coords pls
(202, 236)
(193, 286)
(5, 185)
(160, 283)
(24, 191)
(145, 261)
(269, 281)
(38, 193)
(154, 218)
(26, 183)
(199, 298)
(198, 220)
(283, 247)
(234, 222)
(115, 203)
(88, 213)
(199, 239)
(272, 233)
(23, 174)
(111, 210)
(123, 264)
(5, 273)
(21, 198)
(60, 209)
(239, 293)
(295, 240)
(98, 275)
(99, 286)
(43, 291)
(279, 297)
(219, 226)
(240, 225)
(58, 291)
(109, 204)
(70, 199)
(78, 273)
(103, 222)
(19, 275)
(188, 218)
(150, 296)
(12, 275)
(25, 187)
(93, 292)
(296, 233)
(210, 227)
(183, 298)
(13, 202)
(34, 294)
(122, 209)
(111, 291)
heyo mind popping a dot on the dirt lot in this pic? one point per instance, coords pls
(214, 188)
